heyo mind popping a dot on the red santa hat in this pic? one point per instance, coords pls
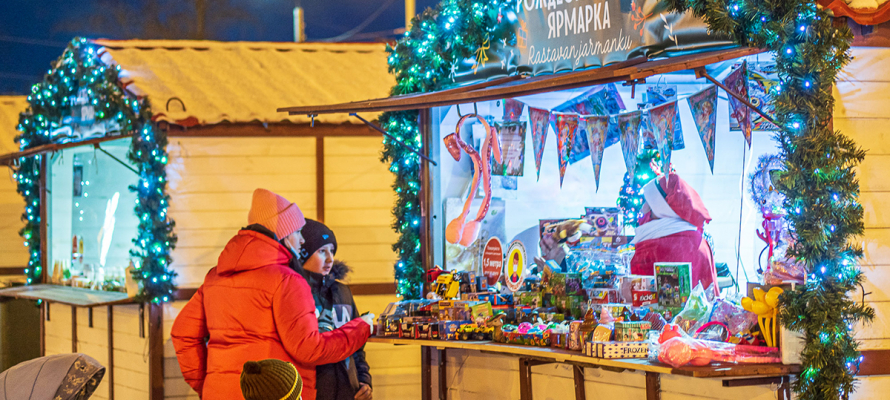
(671, 197)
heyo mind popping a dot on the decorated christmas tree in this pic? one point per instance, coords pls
(630, 197)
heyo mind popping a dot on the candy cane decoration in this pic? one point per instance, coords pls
(459, 231)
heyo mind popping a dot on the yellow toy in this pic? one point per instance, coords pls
(764, 305)
(446, 287)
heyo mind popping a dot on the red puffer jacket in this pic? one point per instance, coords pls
(252, 306)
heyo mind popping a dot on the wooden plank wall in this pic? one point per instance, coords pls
(211, 183)
(861, 112)
(15, 254)
(130, 351)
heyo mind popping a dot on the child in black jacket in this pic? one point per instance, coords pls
(349, 379)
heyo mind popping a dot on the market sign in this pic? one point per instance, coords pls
(565, 35)
(492, 260)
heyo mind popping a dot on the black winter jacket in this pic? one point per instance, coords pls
(335, 306)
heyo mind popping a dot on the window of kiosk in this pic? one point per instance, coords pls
(522, 203)
(91, 220)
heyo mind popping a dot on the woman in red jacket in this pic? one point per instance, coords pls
(254, 305)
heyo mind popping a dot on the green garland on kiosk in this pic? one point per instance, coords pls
(630, 196)
(820, 183)
(77, 72)
(422, 61)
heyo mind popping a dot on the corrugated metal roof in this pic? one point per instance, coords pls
(247, 81)
(10, 108)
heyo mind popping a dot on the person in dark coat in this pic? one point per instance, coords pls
(351, 378)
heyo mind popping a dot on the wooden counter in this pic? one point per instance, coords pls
(741, 374)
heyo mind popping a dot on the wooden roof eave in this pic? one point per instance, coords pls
(633, 69)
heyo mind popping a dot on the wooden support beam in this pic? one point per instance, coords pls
(443, 385)
(653, 386)
(272, 130)
(142, 320)
(110, 369)
(156, 351)
(580, 390)
(525, 379)
(90, 317)
(319, 178)
(426, 373)
(73, 329)
(44, 316)
(44, 218)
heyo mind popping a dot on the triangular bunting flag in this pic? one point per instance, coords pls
(566, 125)
(540, 121)
(512, 109)
(596, 128)
(629, 131)
(704, 112)
(737, 81)
(661, 123)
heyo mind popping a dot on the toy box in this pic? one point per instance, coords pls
(530, 299)
(602, 295)
(629, 284)
(541, 339)
(617, 349)
(674, 283)
(448, 329)
(480, 309)
(632, 331)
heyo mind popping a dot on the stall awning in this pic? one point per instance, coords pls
(630, 70)
(10, 158)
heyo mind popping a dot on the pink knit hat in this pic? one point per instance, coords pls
(275, 213)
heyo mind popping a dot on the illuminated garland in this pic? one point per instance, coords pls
(630, 196)
(422, 61)
(80, 69)
(820, 182)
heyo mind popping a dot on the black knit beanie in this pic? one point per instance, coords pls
(316, 234)
(270, 380)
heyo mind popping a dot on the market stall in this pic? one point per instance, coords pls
(700, 258)
(88, 233)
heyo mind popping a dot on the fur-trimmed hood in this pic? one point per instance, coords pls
(339, 270)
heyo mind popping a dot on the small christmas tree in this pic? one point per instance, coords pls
(630, 197)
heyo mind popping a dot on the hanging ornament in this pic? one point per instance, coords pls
(596, 128)
(629, 131)
(704, 112)
(737, 81)
(460, 231)
(566, 124)
(661, 123)
(540, 121)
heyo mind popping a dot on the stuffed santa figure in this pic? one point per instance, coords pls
(671, 230)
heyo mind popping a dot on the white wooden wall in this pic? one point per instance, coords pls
(130, 351)
(861, 113)
(211, 184)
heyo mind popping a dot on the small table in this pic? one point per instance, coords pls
(743, 374)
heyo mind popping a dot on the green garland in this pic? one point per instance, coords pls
(820, 184)
(422, 61)
(630, 196)
(80, 69)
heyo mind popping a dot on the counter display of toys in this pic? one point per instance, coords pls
(587, 303)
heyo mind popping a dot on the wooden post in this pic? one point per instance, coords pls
(525, 379)
(580, 390)
(90, 317)
(426, 373)
(319, 178)
(156, 351)
(73, 329)
(44, 316)
(426, 195)
(443, 385)
(44, 232)
(110, 369)
(653, 386)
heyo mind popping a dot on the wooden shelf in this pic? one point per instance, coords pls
(72, 296)
(723, 370)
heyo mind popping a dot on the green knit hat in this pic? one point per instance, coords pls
(270, 380)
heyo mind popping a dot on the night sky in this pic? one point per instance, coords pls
(33, 33)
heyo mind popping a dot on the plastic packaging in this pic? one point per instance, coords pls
(736, 318)
(696, 311)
